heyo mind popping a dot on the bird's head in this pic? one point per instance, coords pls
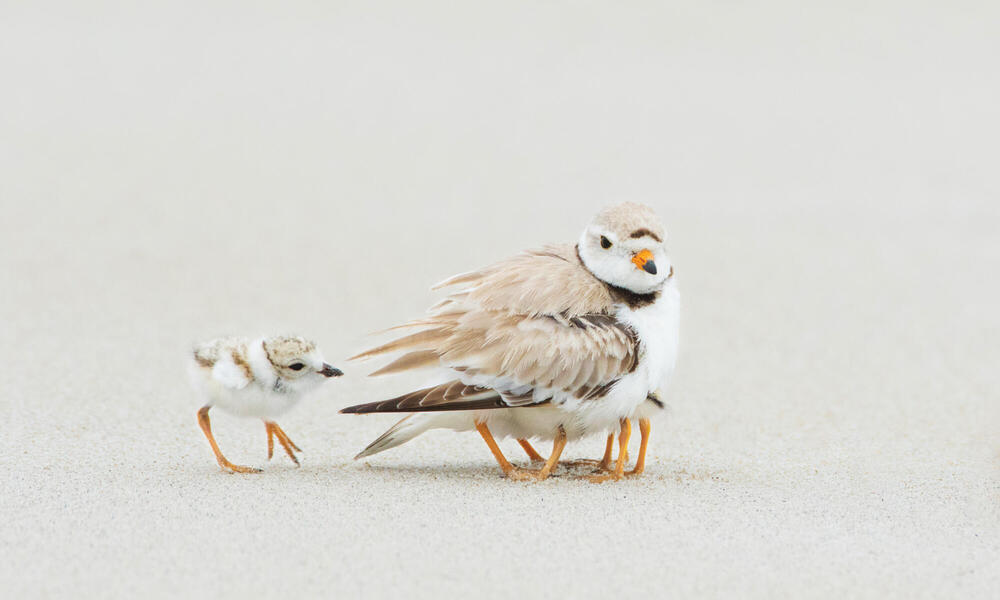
(297, 361)
(625, 246)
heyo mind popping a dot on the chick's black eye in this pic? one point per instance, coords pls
(605, 242)
(296, 366)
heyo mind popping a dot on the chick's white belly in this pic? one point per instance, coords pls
(253, 401)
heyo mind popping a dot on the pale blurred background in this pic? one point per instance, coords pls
(175, 171)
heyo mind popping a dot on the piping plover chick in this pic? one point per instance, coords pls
(262, 378)
(555, 343)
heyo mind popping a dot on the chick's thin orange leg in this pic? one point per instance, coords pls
(206, 427)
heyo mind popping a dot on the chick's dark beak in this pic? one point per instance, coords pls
(330, 371)
(649, 267)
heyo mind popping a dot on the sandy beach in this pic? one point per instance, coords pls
(829, 182)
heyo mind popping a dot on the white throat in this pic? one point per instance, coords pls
(614, 267)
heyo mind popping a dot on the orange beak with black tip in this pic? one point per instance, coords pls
(644, 260)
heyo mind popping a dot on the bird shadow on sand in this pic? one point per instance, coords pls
(562, 473)
(679, 473)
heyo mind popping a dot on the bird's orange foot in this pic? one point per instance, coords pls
(634, 472)
(619, 469)
(239, 468)
(273, 431)
(599, 466)
(581, 463)
(520, 474)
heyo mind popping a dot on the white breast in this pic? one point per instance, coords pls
(657, 326)
(252, 400)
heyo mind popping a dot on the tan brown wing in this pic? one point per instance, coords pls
(546, 281)
(536, 321)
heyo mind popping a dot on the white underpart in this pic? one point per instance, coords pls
(658, 328)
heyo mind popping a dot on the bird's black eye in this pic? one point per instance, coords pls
(296, 366)
(605, 242)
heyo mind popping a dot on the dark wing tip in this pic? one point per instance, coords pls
(358, 409)
(431, 399)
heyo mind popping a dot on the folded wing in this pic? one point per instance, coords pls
(532, 329)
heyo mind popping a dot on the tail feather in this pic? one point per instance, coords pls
(449, 396)
(405, 430)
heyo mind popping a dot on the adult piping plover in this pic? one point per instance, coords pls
(262, 378)
(556, 343)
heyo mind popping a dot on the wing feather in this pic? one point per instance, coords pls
(453, 395)
(420, 339)
(538, 321)
(229, 374)
(411, 360)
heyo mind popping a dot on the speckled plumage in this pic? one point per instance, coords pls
(261, 378)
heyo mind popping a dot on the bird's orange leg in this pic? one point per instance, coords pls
(533, 456)
(557, 447)
(286, 443)
(287, 439)
(270, 440)
(206, 427)
(509, 470)
(618, 473)
(606, 460)
(640, 463)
